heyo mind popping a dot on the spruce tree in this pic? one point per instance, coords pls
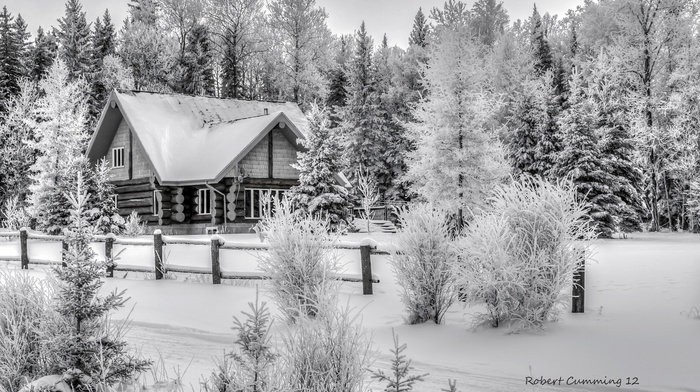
(74, 42)
(419, 33)
(337, 95)
(103, 212)
(198, 75)
(528, 122)
(10, 59)
(540, 45)
(582, 161)
(400, 379)
(42, 54)
(23, 44)
(318, 192)
(89, 346)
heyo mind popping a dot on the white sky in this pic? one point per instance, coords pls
(393, 17)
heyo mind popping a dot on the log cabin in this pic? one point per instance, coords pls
(193, 165)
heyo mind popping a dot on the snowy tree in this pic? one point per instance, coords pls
(16, 135)
(90, 346)
(146, 50)
(581, 159)
(540, 45)
(489, 20)
(318, 192)
(23, 44)
(182, 17)
(238, 26)
(61, 135)
(301, 40)
(337, 94)
(457, 157)
(103, 212)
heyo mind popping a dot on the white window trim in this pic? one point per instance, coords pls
(250, 199)
(116, 200)
(116, 162)
(206, 192)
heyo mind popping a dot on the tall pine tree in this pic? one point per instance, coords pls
(10, 59)
(318, 192)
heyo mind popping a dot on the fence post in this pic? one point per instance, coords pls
(24, 254)
(109, 245)
(216, 243)
(366, 269)
(578, 292)
(158, 253)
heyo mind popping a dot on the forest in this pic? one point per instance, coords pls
(605, 96)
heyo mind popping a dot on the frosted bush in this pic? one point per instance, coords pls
(520, 254)
(328, 354)
(27, 325)
(14, 215)
(300, 260)
(134, 227)
(422, 263)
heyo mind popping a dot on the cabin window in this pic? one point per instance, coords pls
(204, 204)
(156, 205)
(118, 157)
(259, 201)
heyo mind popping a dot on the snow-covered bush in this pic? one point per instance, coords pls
(330, 353)
(104, 214)
(422, 263)
(520, 254)
(26, 324)
(300, 260)
(133, 226)
(14, 215)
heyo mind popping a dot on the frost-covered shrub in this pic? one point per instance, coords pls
(26, 321)
(520, 254)
(328, 354)
(14, 215)
(133, 226)
(300, 260)
(422, 263)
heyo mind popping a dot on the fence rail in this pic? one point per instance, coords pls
(367, 247)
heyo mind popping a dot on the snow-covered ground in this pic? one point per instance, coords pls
(641, 324)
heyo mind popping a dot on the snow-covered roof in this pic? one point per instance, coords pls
(192, 140)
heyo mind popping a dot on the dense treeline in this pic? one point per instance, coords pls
(605, 95)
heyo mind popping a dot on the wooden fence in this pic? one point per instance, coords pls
(216, 244)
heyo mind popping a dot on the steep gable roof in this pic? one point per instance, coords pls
(192, 140)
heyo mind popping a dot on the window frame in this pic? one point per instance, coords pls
(117, 157)
(200, 205)
(115, 198)
(249, 200)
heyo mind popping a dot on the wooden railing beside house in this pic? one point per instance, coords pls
(216, 243)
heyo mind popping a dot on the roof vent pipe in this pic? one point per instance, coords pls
(265, 112)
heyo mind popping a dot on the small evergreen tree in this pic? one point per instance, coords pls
(90, 346)
(399, 380)
(318, 193)
(198, 74)
(104, 214)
